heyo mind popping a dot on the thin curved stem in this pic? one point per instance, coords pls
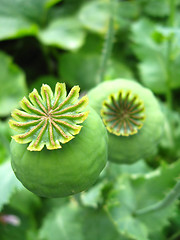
(108, 44)
(168, 200)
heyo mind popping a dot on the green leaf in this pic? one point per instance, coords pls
(15, 18)
(21, 17)
(117, 69)
(25, 202)
(125, 12)
(31, 17)
(114, 171)
(65, 33)
(94, 16)
(83, 67)
(9, 183)
(62, 224)
(79, 68)
(96, 225)
(121, 207)
(13, 86)
(129, 10)
(93, 197)
(141, 36)
(135, 192)
(97, 195)
(153, 74)
(158, 8)
(74, 223)
(151, 45)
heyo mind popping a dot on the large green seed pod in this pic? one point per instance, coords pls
(132, 117)
(46, 167)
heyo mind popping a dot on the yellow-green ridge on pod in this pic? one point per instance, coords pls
(123, 113)
(49, 119)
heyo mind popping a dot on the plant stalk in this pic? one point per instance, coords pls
(168, 200)
(108, 44)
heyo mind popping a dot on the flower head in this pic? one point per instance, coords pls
(49, 119)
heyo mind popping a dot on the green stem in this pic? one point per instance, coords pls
(172, 4)
(168, 200)
(108, 44)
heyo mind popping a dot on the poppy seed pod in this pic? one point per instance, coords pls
(132, 117)
(56, 153)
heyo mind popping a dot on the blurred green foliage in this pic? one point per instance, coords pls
(45, 41)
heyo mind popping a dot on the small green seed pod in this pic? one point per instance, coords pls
(39, 161)
(132, 117)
